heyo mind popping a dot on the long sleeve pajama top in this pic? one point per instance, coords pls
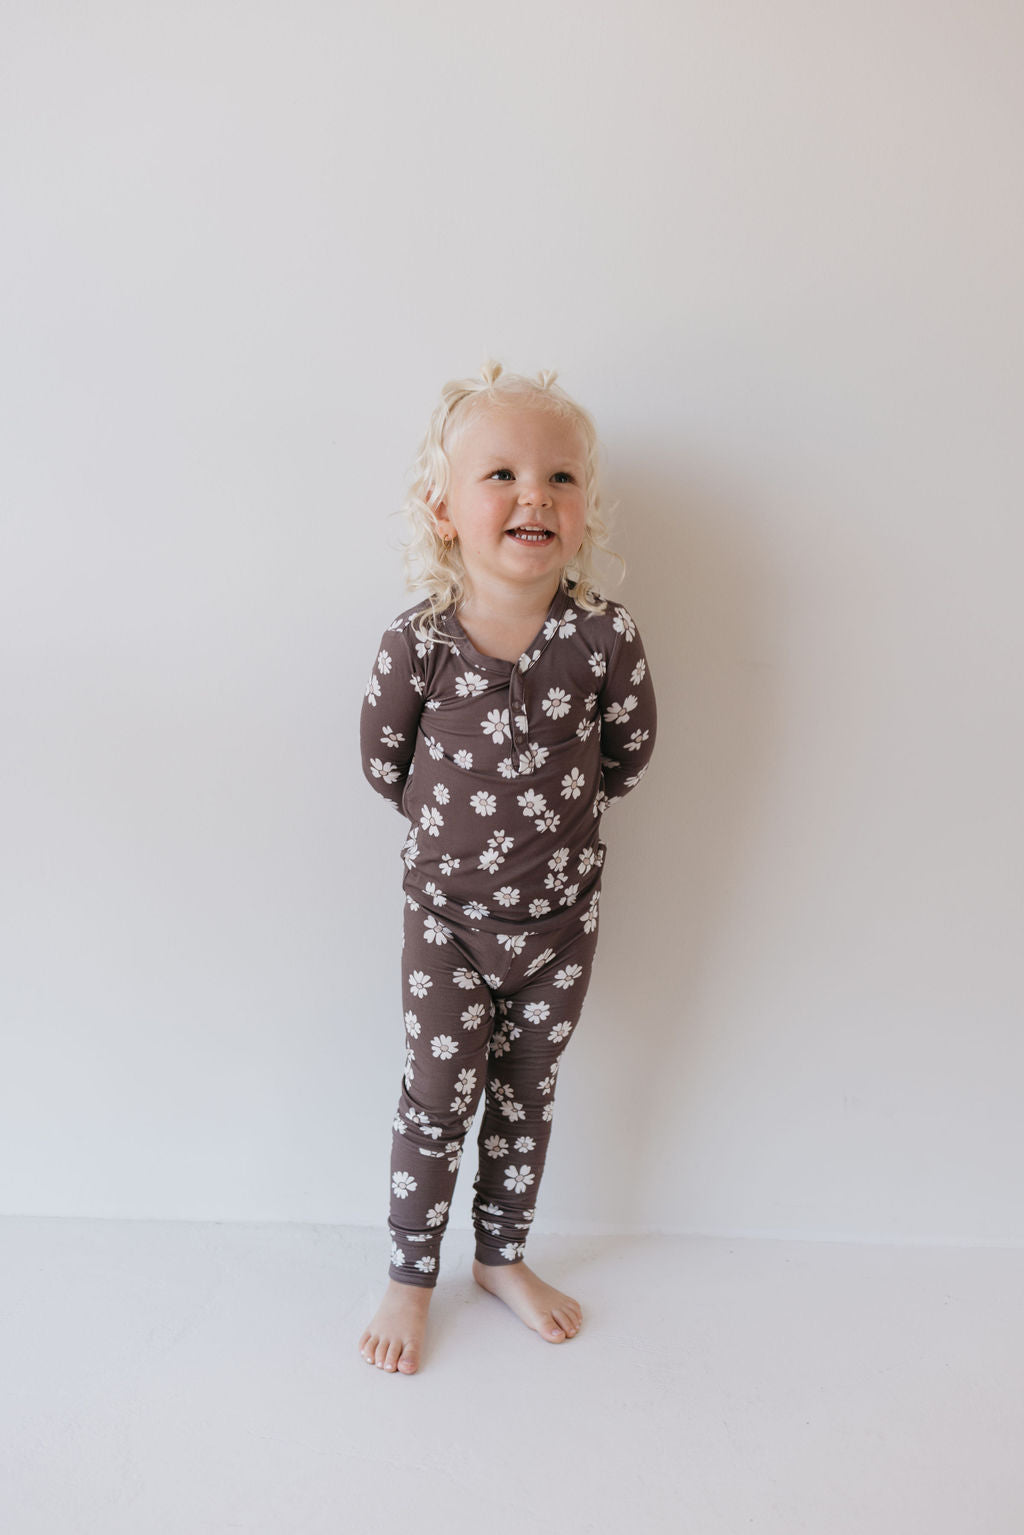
(505, 768)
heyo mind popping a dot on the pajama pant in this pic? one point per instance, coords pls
(485, 1013)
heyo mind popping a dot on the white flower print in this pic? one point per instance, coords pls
(389, 737)
(618, 714)
(568, 976)
(474, 1016)
(559, 858)
(418, 1117)
(454, 1150)
(589, 917)
(532, 803)
(540, 754)
(419, 983)
(635, 778)
(513, 1250)
(448, 864)
(483, 803)
(403, 1184)
(474, 911)
(463, 759)
(492, 981)
(496, 726)
(490, 859)
(499, 840)
(522, 723)
(426, 1264)
(637, 740)
(434, 747)
(436, 1213)
(548, 1113)
(518, 1179)
(542, 959)
(397, 1255)
(569, 895)
(638, 673)
(412, 1025)
(499, 1044)
(587, 860)
(496, 1146)
(466, 1080)
(536, 1012)
(466, 979)
(513, 1110)
(372, 691)
(525, 1143)
(470, 685)
(540, 907)
(441, 794)
(385, 770)
(512, 943)
(383, 663)
(507, 768)
(549, 823)
(417, 683)
(597, 663)
(506, 896)
(443, 1046)
(435, 932)
(567, 625)
(559, 1032)
(409, 1071)
(573, 784)
(526, 660)
(491, 1227)
(585, 729)
(411, 849)
(431, 820)
(398, 1125)
(435, 894)
(622, 623)
(557, 703)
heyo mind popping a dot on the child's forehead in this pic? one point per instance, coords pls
(499, 426)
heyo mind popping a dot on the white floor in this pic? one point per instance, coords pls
(161, 1377)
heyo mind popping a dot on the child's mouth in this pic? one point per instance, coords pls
(530, 535)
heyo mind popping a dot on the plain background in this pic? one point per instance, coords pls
(776, 249)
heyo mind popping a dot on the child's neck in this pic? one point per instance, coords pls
(502, 623)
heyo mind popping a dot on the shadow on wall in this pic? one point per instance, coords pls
(703, 589)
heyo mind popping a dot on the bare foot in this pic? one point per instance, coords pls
(392, 1340)
(548, 1311)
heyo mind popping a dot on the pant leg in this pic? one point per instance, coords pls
(448, 1020)
(538, 1009)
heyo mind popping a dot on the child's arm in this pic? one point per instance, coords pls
(392, 706)
(629, 716)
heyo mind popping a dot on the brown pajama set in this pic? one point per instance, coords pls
(503, 770)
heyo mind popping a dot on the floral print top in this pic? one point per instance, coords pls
(505, 768)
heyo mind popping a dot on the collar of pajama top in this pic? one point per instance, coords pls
(506, 783)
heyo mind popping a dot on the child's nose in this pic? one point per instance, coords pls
(533, 494)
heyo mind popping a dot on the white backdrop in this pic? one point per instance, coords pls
(777, 251)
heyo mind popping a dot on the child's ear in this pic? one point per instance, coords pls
(442, 527)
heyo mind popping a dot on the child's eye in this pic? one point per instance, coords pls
(502, 474)
(564, 477)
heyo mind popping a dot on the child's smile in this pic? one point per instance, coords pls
(516, 502)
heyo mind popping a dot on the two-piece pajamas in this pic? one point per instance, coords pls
(503, 770)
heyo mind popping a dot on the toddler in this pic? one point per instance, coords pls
(504, 712)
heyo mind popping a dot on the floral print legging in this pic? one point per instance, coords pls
(485, 1012)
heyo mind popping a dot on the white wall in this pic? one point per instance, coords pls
(777, 250)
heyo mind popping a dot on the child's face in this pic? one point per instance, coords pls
(516, 471)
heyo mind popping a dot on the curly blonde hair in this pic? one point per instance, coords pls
(437, 567)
